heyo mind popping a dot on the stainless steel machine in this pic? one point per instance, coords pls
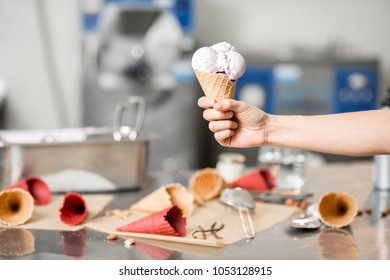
(143, 50)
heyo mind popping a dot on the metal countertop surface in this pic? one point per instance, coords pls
(367, 237)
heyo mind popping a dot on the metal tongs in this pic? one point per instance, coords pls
(242, 201)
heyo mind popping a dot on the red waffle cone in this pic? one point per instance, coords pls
(257, 180)
(74, 209)
(36, 187)
(169, 221)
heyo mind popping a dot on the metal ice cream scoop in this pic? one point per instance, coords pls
(308, 220)
(244, 202)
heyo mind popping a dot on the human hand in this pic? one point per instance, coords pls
(235, 123)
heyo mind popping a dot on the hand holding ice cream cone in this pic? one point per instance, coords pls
(217, 68)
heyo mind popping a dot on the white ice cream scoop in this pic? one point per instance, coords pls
(205, 59)
(219, 58)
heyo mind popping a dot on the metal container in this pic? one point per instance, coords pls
(117, 154)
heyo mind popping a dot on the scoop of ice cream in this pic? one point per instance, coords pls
(205, 59)
(220, 58)
(232, 63)
(223, 47)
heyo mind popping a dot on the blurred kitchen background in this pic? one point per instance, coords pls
(66, 63)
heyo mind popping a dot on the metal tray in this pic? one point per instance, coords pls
(117, 155)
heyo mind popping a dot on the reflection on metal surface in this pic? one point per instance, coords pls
(154, 252)
(16, 242)
(213, 231)
(337, 244)
(74, 243)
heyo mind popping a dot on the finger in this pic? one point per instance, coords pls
(205, 102)
(230, 105)
(213, 115)
(216, 126)
(221, 136)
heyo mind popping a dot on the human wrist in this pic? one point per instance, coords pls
(271, 131)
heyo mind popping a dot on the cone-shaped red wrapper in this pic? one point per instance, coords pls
(259, 180)
(74, 209)
(38, 189)
(169, 221)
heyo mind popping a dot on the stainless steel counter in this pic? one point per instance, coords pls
(368, 237)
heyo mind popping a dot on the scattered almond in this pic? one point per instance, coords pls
(119, 213)
(122, 214)
(129, 242)
(368, 211)
(112, 237)
(109, 213)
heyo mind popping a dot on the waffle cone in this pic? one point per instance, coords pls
(206, 184)
(16, 206)
(216, 86)
(74, 209)
(36, 187)
(167, 196)
(337, 209)
(169, 221)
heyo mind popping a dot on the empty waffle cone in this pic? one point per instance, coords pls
(216, 86)
(167, 196)
(37, 188)
(74, 209)
(337, 209)
(206, 184)
(16, 206)
(169, 221)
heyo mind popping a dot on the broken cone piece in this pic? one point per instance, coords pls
(337, 209)
(74, 209)
(36, 187)
(169, 221)
(16, 206)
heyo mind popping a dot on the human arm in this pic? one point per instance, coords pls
(238, 124)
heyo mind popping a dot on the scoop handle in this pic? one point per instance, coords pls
(121, 130)
(246, 222)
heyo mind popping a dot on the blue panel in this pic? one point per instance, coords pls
(89, 22)
(182, 9)
(262, 76)
(356, 88)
